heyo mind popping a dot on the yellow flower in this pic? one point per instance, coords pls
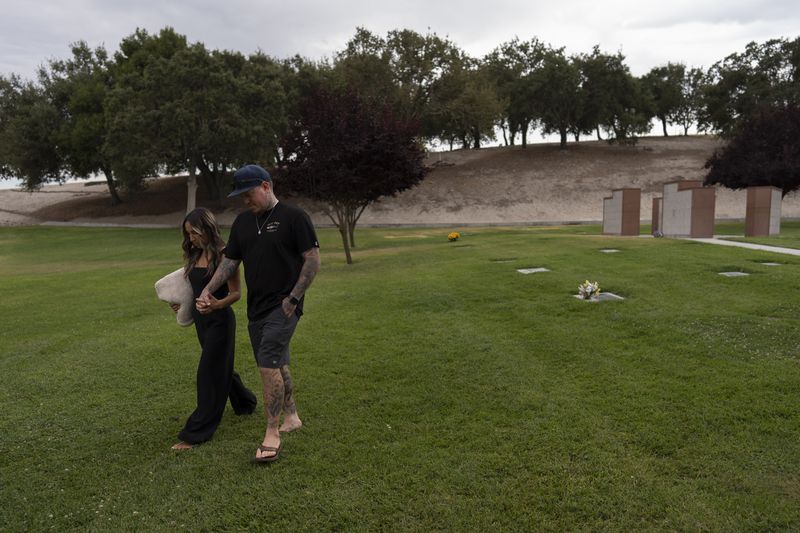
(453, 236)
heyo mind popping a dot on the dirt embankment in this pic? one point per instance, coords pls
(537, 184)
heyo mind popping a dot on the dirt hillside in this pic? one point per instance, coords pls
(535, 185)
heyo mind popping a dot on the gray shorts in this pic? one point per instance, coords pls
(270, 338)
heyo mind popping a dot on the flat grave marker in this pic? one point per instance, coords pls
(532, 270)
(602, 297)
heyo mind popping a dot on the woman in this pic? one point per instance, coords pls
(216, 380)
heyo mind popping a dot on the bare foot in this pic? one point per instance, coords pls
(290, 423)
(182, 446)
(273, 442)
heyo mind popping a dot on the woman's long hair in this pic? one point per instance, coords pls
(203, 220)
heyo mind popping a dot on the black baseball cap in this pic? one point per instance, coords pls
(248, 177)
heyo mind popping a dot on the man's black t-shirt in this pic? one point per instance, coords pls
(272, 259)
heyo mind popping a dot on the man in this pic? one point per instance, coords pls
(278, 246)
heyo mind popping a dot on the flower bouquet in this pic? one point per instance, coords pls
(453, 236)
(588, 290)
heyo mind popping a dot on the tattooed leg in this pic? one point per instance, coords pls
(273, 405)
(291, 421)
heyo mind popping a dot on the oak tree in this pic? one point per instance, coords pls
(665, 84)
(765, 74)
(27, 137)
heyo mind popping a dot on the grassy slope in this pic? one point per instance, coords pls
(540, 181)
(440, 389)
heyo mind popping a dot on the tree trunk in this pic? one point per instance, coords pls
(686, 131)
(209, 177)
(350, 218)
(112, 187)
(563, 145)
(354, 220)
(476, 134)
(345, 242)
(525, 137)
(503, 128)
(191, 190)
(664, 125)
(216, 178)
(577, 136)
(599, 138)
(351, 230)
(340, 221)
(205, 176)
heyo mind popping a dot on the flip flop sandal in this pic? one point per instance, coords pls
(269, 458)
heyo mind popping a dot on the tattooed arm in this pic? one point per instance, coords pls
(311, 262)
(224, 271)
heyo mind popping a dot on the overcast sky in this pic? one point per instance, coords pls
(649, 33)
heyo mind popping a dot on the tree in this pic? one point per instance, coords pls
(764, 151)
(28, 121)
(558, 95)
(763, 75)
(348, 150)
(464, 106)
(185, 108)
(417, 62)
(364, 65)
(135, 139)
(512, 66)
(597, 71)
(299, 76)
(7, 107)
(403, 69)
(688, 112)
(244, 114)
(666, 85)
(614, 99)
(78, 88)
(631, 110)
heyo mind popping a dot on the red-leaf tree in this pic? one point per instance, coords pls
(346, 151)
(765, 151)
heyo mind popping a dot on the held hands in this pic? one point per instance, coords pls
(206, 303)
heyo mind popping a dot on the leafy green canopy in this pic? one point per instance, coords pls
(665, 84)
(184, 108)
(766, 74)
(27, 146)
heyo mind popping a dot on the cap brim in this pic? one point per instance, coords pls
(240, 190)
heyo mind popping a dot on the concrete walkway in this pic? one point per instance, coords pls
(750, 246)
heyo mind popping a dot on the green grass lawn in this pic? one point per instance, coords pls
(440, 389)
